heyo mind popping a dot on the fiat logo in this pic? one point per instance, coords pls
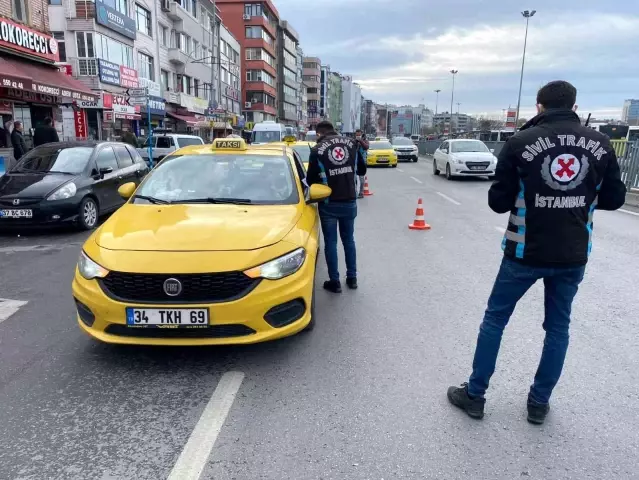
(172, 287)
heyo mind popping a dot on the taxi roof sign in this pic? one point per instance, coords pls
(290, 139)
(229, 144)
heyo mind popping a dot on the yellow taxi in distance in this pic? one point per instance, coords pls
(381, 153)
(218, 245)
(301, 147)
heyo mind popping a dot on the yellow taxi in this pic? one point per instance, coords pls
(381, 153)
(218, 245)
(301, 147)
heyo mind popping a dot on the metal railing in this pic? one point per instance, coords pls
(628, 157)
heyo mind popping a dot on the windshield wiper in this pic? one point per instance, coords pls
(63, 173)
(153, 200)
(218, 200)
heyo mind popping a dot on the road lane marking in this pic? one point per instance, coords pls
(9, 307)
(400, 170)
(197, 450)
(416, 179)
(446, 197)
(500, 229)
(629, 212)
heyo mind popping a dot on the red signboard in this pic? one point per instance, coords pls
(67, 70)
(80, 120)
(26, 96)
(17, 37)
(128, 77)
(511, 116)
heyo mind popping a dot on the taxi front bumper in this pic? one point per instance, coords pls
(381, 161)
(247, 320)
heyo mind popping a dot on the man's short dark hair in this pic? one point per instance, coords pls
(359, 130)
(48, 121)
(557, 94)
(324, 126)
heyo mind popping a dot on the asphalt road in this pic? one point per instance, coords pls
(363, 396)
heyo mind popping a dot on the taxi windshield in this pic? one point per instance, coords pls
(232, 178)
(380, 146)
(304, 151)
(402, 141)
(468, 146)
(267, 137)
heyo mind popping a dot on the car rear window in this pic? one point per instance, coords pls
(185, 141)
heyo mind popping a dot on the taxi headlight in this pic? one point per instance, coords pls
(64, 192)
(280, 267)
(89, 269)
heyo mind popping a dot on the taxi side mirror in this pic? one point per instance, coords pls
(127, 190)
(318, 192)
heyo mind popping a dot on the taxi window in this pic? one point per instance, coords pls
(380, 146)
(252, 179)
(304, 151)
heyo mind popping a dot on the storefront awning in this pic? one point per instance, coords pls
(23, 75)
(190, 120)
(221, 126)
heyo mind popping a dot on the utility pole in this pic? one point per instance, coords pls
(527, 15)
(452, 97)
(214, 63)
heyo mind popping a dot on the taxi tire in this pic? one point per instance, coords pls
(82, 221)
(394, 166)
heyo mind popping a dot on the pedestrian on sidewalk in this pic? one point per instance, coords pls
(362, 152)
(551, 176)
(17, 140)
(332, 162)
(45, 133)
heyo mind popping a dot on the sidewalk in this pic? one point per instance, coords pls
(632, 198)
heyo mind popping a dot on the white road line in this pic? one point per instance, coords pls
(446, 197)
(416, 179)
(629, 212)
(500, 229)
(400, 170)
(9, 307)
(197, 450)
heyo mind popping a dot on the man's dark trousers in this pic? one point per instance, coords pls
(334, 215)
(513, 281)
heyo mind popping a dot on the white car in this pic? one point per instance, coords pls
(464, 158)
(166, 143)
(405, 149)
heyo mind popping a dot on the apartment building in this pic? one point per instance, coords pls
(32, 84)
(334, 100)
(630, 112)
(255, 24)
(287, 81)
(351, 105)
(312, 72)
(324, 91)
(301, 89)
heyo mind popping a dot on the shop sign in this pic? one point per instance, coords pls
(80, 120)
(67, 69)
(108, 72)
(194, 104)
(17, 37)
(156, 104)
(17, 83)
(172, 97)
(128, 77)
(116, 21)
(91, 105)
(153, 88)
(232, 93)
(27, 96)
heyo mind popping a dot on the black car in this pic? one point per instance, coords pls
(68, 182)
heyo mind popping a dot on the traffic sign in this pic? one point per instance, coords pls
(137, 92)
(137, 101)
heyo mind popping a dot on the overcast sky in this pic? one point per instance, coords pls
(400, 51)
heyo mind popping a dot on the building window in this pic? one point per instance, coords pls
(20, 10)
(196, 87)
(145, 66)
(196, 50)
(62, 49)
(55, 2)
(258, 32)
(260, 76)
(164, 36)
(164, 78)
(186, 84)
(258, 54)
(253, 9)
(143, 20)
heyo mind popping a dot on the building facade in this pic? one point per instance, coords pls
(288, 84)
(460, 122)
(369, 120)
(255, 26)
(311, 70)
(351, 105)
(34, 81)
(324, 92)
(630, 112)
(335, 99)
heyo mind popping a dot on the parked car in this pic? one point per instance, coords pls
(406, 149)
(165, 143)
(464, 158)
(68, 182)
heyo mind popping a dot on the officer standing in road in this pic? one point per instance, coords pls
(551, 176)
(332, 162)
(362, 149)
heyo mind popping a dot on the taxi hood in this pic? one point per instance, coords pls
(196, 227)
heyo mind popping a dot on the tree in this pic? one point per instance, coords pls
(521, 122)
(486, 123)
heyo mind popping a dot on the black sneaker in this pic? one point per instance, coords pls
(537, 412)
(333, 286)
(361, 195)
(351, 283)
(474, 407)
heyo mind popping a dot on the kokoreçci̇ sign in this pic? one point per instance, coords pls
(23, 39)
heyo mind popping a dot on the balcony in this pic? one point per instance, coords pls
(172, 10)
(178, 57)
(259, 87)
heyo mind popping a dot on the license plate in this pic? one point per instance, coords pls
(382, 160)
(167, 317)
(16, 213)
(477, 167)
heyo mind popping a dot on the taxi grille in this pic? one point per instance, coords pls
(196, 288)
(213, 331)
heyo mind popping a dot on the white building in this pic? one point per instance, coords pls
(426, 118)
(351, 105)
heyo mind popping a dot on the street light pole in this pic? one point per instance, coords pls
(458, 104)
(437, 100)
(452, 97)
(527, 15)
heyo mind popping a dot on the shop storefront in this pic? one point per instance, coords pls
(117, 115)
(32, 88)
(189, 117)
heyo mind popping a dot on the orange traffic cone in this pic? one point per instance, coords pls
(367, 192)
(419, 223)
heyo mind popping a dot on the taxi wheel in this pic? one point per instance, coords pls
(88, 214)
(394, 166)
(435, 169)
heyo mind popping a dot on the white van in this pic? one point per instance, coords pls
(268, 132)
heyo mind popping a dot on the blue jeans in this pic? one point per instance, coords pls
(332, 216)
(513, 281)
